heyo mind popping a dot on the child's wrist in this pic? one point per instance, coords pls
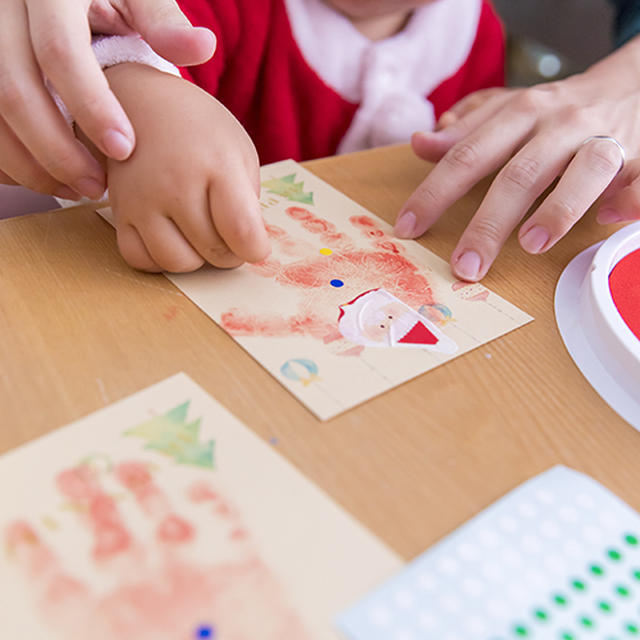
(125, 76)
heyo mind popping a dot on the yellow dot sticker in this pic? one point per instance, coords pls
(326, 252)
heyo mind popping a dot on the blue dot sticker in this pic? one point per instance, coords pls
(205, 631)
(337, 283)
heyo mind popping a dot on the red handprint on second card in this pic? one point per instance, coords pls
(179, 581)
(327, 277)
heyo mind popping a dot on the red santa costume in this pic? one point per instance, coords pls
(305, 83)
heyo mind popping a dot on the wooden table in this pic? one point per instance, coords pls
(79, 330)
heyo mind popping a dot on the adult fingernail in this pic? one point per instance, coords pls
(535, 239)
(468, 266)
(208, 33)
(608, 216)
(446, 119)
(117, 145)
(89, 188)
(66, 193)
(406, 225)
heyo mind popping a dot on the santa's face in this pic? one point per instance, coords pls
(391, 324)
(377, 318)
(377, 323)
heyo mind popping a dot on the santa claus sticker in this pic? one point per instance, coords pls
(378, 319)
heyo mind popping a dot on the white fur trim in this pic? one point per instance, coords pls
(67, 203)
(389, 78)
(113, 50)
(74, 203)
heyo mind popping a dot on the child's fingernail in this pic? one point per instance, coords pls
(89, 188)
(535, 239)
(406, 225)
(117, 145)
(66, 193)
(468, 265)
(608, 216)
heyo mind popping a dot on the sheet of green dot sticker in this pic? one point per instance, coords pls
(558, 558)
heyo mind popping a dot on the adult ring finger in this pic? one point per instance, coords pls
(594, 165)
(609, 139)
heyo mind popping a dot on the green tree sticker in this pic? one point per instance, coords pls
(288, 188)
(172, 435)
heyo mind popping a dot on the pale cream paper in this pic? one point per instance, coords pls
(268, 555)
(285, 312)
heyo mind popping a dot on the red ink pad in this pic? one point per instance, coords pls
(624, 283)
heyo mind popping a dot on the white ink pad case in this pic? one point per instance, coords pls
(599, 339)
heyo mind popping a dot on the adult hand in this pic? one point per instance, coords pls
(537, 134)
(53, 38)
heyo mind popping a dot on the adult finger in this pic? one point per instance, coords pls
(20, 167)
(5, 179)
(165, 27)
(621, 200)
(106, 18)
(62, 44)
(30, 112)
(168, 247)
(237, 216)
(432, 145)
(468, 161)
(593, 168)
(523, 179)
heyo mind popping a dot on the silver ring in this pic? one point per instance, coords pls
(609, 139)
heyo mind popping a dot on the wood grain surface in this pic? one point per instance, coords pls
(79, 330)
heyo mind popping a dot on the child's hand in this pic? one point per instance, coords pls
(189, 192)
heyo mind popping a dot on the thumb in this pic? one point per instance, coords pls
(471, 102)
(459, 121)
(169, 33)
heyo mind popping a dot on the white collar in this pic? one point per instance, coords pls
(403, 68)
(433, 45)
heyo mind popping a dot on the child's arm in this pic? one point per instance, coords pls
(51, 39)
(189, 192)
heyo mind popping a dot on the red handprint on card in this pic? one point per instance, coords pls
(179, 581)
(327, 278)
